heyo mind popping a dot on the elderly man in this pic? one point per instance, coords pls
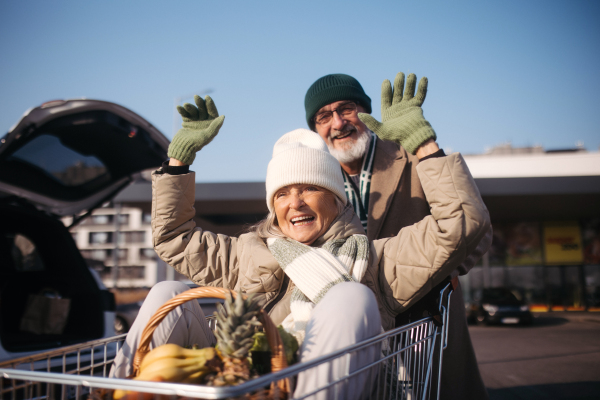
(382, 184)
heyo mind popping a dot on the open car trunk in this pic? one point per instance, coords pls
(63, 158)
(40, 254)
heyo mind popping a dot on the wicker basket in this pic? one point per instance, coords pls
(279, 389)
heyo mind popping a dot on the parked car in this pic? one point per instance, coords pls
(63, 158)
(125, 315)
(498, 306)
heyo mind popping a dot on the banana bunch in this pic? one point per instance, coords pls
(173, 363)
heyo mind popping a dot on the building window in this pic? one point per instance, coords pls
(132, 237)
(107, 219)
(147, 254)
(101, 219)
(122, 253)
(146, 218)
(123, 219)
(98, 254)
(103, 254)
(101, 237)
(132, 272)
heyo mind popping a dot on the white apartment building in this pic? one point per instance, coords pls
(96, 237)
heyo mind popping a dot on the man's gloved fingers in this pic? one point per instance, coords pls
(202, 114)
(398, 88)
(370, 122)
(411, 82)
(386, 95)
(182, 111)
(422, 90)
(191, 110)
(211, 108)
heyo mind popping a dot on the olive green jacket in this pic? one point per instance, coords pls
(401, 268)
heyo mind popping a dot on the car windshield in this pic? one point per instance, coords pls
(492, 295)
(59, 162)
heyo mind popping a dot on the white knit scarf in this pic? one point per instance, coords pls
(315, 270)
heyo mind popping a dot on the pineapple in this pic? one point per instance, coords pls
(236, 324)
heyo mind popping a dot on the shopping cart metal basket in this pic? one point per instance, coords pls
(408, 367)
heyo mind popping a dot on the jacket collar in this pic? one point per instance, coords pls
(346, 224)
(388, 165)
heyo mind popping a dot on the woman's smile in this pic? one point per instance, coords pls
(302, 220)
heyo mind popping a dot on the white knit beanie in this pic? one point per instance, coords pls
(302, 157)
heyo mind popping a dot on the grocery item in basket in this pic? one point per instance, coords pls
(260, 354)
(173, 363)
(171, 351)
(236, 325)
(290, 344)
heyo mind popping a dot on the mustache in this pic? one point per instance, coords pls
(346, 130)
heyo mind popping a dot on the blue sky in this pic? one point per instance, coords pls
(527, 72)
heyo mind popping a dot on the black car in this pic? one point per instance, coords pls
(63, 158)
(125, 316)
(498, 306)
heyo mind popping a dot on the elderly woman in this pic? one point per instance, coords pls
(308, 262)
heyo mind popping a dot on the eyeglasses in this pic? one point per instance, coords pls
(344, 111)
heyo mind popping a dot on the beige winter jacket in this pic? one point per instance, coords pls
(402, 268)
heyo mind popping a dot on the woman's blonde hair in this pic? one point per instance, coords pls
(268, 227)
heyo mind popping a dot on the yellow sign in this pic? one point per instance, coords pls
(562, 243)
(523, 244)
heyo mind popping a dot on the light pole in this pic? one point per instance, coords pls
(116, 237)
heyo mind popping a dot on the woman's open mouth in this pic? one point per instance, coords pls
(302, 220)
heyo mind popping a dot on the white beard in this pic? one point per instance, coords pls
(355, 152)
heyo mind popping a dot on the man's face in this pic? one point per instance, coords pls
(343, 130)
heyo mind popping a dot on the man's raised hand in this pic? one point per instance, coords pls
(401, 114)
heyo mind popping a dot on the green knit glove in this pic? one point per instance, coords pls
(200, 125)
(402, 115)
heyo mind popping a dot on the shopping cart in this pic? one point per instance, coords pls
(409, 367)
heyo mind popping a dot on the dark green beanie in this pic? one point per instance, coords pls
(332, 88)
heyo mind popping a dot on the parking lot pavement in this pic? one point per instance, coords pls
(557, 357)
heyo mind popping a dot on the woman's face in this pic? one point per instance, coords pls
(304, 212)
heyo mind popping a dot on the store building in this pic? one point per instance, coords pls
(545, 210)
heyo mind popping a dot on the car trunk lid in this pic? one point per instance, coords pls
(68, 157)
